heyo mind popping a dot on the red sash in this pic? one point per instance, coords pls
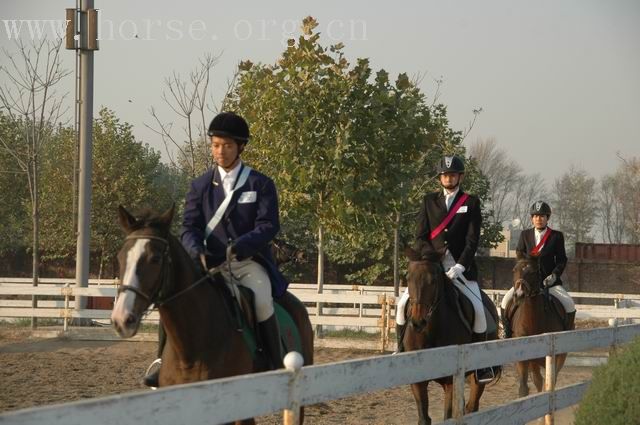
(536, 251)
(452, 212)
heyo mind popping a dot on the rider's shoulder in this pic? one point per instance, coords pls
(204, 179)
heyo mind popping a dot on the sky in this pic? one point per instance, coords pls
(558, 81)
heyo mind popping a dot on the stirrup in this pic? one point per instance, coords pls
(485, 375)
(152, 374)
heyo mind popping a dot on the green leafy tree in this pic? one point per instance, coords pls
(124, 172)
(347, 147)
(14, 208)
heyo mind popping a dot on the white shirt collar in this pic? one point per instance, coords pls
(233, 174)
(452, 194)
(540, 232)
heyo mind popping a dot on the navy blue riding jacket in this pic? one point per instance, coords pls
(251, 221)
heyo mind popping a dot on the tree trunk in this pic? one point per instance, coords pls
(396, 255)
(320, 276)
(36, 242)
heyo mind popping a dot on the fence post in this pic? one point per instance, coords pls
(614, 324)
(550, 381)
(382, 300)
(65, 322)
(458, 385)
(293, 361)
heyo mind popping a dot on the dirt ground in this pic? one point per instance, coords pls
(37, 372)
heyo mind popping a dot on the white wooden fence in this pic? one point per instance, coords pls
(224, 400)
(344, 306)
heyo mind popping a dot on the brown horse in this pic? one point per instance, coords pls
(434, 321)
(203, 341)
(536, 312)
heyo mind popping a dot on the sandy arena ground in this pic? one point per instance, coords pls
(37, 372)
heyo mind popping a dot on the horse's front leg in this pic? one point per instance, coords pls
(475, 392)
(448, 400)
(523, 373)
(537, 376)
(421, 395)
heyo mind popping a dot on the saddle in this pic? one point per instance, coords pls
(241, 308)
(466, 312)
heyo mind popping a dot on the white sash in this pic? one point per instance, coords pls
(242, 179)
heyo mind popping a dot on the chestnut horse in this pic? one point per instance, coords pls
(203, 341)
(536, 312)
(434, 321)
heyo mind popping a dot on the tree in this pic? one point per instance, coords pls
(187, 98)
(30, 100)
(501, 172)
(343, 143)
(611, 209)
(125, 172)
(348, 148)
(576, 205)
(14, 211)
(629, 175)
(527, 189)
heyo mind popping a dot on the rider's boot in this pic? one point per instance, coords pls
(487, 374)
(152, 379)
(270, 334)
(506, 323)
(400, 338)
(570, 321)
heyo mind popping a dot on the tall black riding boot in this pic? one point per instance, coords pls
(152, 379)
(270, 334)
(570, 320)
(400, 338)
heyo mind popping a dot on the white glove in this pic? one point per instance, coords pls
(455, 271)
(549, 280)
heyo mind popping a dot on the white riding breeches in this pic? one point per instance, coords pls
(471, 290)
(557, 291)
(252, 275)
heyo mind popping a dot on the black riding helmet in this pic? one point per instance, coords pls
(451, 164)
(540, 208)
(229, 124)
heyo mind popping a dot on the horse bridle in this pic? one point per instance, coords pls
(431, 308)
(165, 267)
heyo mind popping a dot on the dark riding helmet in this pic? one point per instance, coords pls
(451, 164)
(540, 208)
(229, 124)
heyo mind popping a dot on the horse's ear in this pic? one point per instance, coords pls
(127, 221)
(167, 217)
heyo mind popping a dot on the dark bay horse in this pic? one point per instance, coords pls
(433, 321)
(202, 337)
(536, 312)
(283, 252)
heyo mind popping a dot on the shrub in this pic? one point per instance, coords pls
(613, 398)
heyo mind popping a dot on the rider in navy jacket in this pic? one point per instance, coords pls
(250, 222)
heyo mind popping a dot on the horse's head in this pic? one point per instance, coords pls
(143, 259)
(425, 280)
(526, 277)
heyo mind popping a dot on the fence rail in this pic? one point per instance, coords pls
(224, 400)
(343, 306)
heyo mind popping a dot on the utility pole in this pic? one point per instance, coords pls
(83, 26)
